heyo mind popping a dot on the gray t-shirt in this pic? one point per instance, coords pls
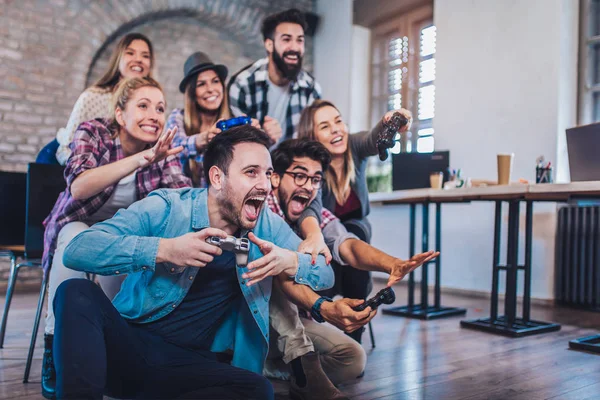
(278, 98)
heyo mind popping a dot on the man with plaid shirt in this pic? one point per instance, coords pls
(276, 89)
(299, 168)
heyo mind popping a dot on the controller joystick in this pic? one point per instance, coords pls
(239, 246)
(384, 296)
(386, 137)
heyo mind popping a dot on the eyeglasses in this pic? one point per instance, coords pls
(301, 178)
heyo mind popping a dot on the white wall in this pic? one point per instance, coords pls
(506, 82)
(342, 62)
(333, 51)
(360, 73)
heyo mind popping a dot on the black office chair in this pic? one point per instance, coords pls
(44, 183)
(12, 221)
(13, 186)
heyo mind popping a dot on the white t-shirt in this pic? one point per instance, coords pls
(123, 196)
(278, 98)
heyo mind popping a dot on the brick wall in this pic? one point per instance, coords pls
(51, 50)
(174, 41)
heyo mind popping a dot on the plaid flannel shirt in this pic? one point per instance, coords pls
(189, 151)
(248, 94)
(326, 215)
(92, 147)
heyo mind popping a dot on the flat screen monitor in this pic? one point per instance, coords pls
(412, 170)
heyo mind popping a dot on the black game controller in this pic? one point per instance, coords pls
(239, 246)
(384, 296)
(386, 138)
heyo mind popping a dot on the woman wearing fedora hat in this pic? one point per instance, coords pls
(205, 103)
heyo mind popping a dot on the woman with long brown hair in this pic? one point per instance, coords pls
(345, 191)
(133, 57)
(205, 103)
(115, 162)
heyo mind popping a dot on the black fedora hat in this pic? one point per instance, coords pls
(199, 62)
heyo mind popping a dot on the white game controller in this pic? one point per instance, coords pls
(239, 246)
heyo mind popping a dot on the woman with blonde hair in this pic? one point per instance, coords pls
(133, 57)
(114, 163)
(345, 191)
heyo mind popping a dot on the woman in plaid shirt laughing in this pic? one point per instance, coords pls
(114, 162)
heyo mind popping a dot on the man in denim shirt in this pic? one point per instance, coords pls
(184, 301)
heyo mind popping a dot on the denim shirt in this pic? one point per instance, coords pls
(128, 244)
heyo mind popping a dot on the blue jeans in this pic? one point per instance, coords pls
(97, 352)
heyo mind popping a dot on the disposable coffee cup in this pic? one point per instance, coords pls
(436, 179)
(505, 163)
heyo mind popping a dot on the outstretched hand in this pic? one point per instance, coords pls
(275, 260)
(403, 268)
(162, 149)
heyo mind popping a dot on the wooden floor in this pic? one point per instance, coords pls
(413, 359)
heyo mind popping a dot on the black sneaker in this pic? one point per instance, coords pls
(48, 371)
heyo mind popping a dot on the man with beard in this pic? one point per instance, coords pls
(184, 305)
(299, 167)
(275, 89)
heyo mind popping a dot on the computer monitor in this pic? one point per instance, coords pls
(412, 170)
(583, 143)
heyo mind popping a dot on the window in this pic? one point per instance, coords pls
(403, 76)
(426, 104)
(589, 61)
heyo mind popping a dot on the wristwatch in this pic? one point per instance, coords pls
(315, 311)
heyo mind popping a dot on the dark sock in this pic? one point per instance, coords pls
(298, 372)
(48, 340)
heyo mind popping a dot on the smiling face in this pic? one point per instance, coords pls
(330, 130)
(286, 49)
(244, 189)
(209, 91)
(143, 117)
(135, 60)
(294, 198)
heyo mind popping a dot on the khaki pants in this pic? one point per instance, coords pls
(342, 358)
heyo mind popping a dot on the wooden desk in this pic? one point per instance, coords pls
(509, 324)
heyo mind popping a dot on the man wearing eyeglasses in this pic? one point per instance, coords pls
(299, 168)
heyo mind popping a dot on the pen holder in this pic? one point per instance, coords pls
(543, 175)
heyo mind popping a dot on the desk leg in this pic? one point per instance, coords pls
(512, 254)
(527, 266)
(425, 247)
(438, 261)
(496, 261)
(411, 251)
(424, 310)
(510, 324)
